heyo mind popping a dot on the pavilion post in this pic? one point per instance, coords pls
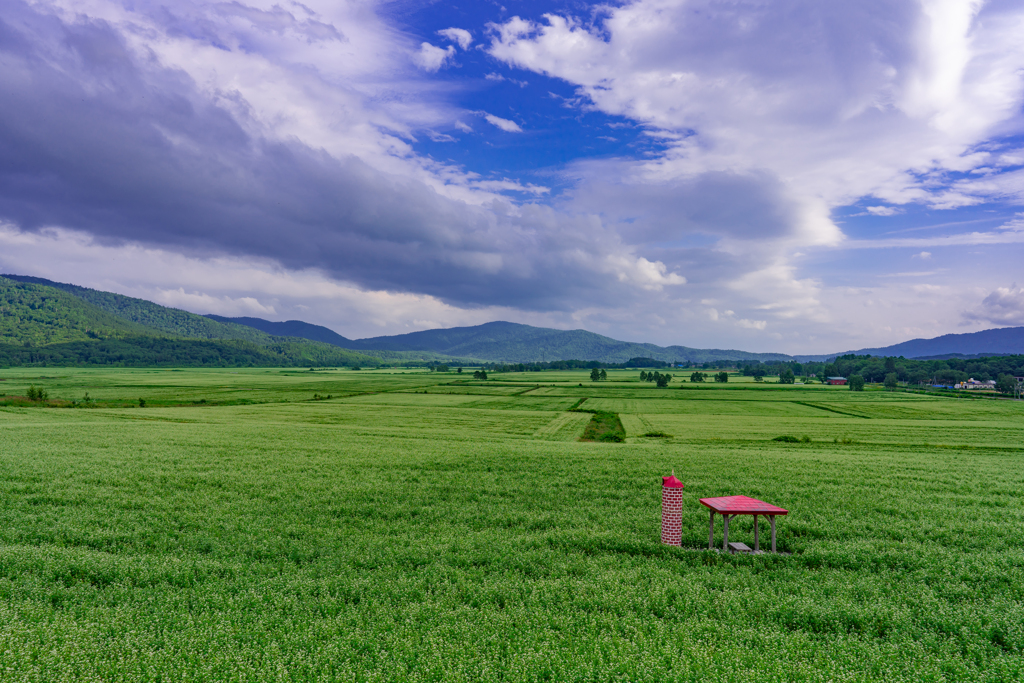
(711, 531)
(772, 518)
(725, 538)
(757, 542)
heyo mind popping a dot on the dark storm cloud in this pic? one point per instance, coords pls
(94, 137)
(751, 205)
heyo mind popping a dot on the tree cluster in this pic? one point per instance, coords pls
(661, 380)
(574, 365)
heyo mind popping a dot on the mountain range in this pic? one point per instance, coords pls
(1004, 341)
(512, 342)
(42, 321)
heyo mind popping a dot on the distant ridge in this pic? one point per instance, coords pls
(289, 328)
(507, 342)
(1005, 341)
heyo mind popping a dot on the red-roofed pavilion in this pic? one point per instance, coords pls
(730, 506)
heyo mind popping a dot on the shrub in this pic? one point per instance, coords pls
(786, 438)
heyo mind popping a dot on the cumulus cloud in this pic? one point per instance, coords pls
(460, 36)
(808, 107)
(220, 305)
(1003, 307)
(504, 124)
(432, 58)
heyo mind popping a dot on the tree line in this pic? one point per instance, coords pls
(185, 353)
(540, 366)
(876, 368)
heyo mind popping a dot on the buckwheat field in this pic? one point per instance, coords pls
(286, 525)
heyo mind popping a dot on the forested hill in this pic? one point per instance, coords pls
(1006, 341)
(289, 328)
(512, 342)
(171, 321)
(48, 323)
(35, 314)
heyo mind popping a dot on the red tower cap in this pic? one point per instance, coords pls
(671, 482)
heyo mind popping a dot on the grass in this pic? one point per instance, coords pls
(466, 534)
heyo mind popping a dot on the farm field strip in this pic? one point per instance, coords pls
(1002, 434)
(565, 427)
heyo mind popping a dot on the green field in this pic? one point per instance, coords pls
(430, 527)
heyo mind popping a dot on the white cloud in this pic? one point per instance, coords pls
(958, 240)
(460, 36)
(432, 58)
(504, 124)
(924, 255)
(1004, 307)
(773, 115)
(204, 303)
(858, 99)
(651, 276)
(500, 79)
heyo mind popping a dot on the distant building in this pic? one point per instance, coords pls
(836, 380)
(975, 384)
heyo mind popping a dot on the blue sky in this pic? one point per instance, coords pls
(790, 176)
